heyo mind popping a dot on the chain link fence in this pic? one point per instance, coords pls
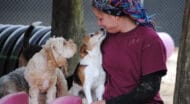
(25, 11)
(169, 14)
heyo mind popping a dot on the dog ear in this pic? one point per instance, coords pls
(83, 50)
(50, 55)
(53, 50)
(50, 50)
(86, 39)
(64, 67)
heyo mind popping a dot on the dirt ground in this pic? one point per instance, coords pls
(168, 81)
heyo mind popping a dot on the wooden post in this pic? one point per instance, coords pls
(182, 86)
(67, 21)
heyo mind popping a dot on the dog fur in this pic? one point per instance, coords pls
(28, 50)
(90, 70)
(13, 82)
(42, 69)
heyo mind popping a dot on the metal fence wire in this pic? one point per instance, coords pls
(25, 11)
(16, 14)
(169, 14)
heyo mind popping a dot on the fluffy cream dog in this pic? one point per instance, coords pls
(90, 71)
(42, 70)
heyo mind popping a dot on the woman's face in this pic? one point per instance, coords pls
(106, 21)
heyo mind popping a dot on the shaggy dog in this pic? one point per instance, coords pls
(13, 82)
(28, 50)
(90, 71)
(42, 69)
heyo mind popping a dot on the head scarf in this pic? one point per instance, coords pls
(132, 8)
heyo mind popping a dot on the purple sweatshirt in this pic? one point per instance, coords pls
(129, 56)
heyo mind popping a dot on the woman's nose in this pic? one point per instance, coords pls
(99, 23)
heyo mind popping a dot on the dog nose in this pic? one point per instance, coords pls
(103, 30)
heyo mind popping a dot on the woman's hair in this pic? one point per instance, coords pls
(132, 8)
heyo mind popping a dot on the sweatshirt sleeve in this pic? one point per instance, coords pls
(145, 91)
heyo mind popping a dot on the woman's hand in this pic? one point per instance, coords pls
(99, 102)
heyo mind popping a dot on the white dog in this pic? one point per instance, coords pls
(90, 71)
(42, 69)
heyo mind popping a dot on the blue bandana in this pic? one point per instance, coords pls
(132, 8)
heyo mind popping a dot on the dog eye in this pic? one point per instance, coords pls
(91, 35)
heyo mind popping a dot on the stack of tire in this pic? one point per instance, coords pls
(11, 41)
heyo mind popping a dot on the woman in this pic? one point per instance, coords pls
(134, 56)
